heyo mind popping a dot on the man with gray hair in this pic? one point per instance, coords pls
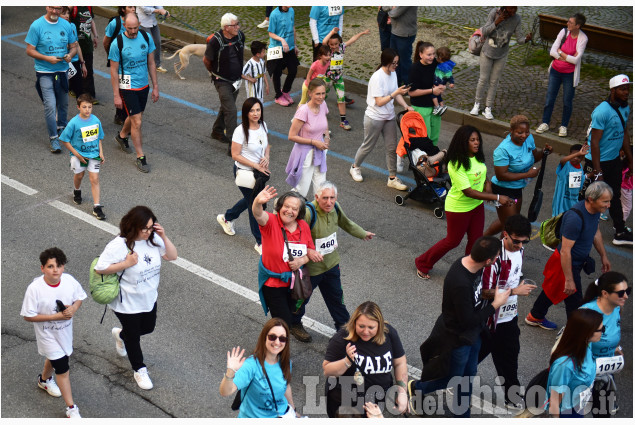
(324, 216)
(224, 60)
(579, 230)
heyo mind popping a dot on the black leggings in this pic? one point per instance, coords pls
(280, 303)
(133, 326)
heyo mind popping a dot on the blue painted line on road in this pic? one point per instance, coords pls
(7, 38)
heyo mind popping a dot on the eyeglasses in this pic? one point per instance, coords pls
(273, 337)
(237, 24)
(148, 229)
(601, 330)
(621, 293)
(520, 241)
(395, 64)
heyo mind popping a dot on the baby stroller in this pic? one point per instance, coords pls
(426, 162)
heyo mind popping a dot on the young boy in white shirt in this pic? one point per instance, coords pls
(50, 302)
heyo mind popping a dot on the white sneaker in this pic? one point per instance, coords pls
(562, 131)
(356, 174)
(487, 113)
(399, 164)
(396, 184)
(72, 412)
(119, 345)
(49, 386)
(475, 109)
(228, 226)
(542, 128)
(258, 249)
(264, 24)
(142, 378)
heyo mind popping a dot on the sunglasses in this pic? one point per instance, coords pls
(520, 241)
(601, 330)
(272, 338)
(621, 293)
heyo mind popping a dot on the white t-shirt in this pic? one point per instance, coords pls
(54, 338)
(509, 310)
(381, 84)
(254, 150)
(139, 283)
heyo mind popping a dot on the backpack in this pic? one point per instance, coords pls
(117, 31)
(221, 45)
(120, 46)
(550, 229)
(104, 288)
(314, 215)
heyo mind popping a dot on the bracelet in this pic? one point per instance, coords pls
(347, 364)
(228, 378)
(390, 95)
(498, 198)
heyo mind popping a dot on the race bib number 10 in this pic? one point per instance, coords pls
(125, 82)
(335, 10)
(274, 53)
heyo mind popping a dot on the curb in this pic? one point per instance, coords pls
(494, 127)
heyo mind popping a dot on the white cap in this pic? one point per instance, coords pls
(619, 80)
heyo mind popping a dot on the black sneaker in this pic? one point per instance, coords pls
(97, 212)
(123, 143)
(300, 333)
(117, 120)
(142, 164)
(623, 238)
(349, 101)
(221, 137)
(77, 196)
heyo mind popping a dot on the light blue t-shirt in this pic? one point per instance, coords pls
(76, 57)
(605, 118)
(51, 40)
(257, 401)
(519, 159)
(135, 53)
(84, 135)
(325, 20)
(281, 24)
(565, 378)
(110, 28)
(606, 346)
(564, 197)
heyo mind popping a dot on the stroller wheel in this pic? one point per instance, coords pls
(400, 200)
(439, 212)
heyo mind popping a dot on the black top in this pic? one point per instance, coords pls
(229, 64)
(422, 77)
(374, 361)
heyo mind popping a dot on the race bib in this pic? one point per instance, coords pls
(575, 179)
(335, 10)
(509, 310)
(274, 53)
(90, 133)
(297, 250)
(71, 72)
(337, 62)
(125, 82)
(326, 245)
(605, 365)
(584, 399)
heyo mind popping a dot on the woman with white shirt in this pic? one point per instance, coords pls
(135, 255)
(564, 71)
(379, 118)
(250, 151)
(148, 22)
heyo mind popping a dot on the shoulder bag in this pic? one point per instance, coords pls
(301, 287)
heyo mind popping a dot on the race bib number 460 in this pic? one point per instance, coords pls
(297, 250)
(326, 245)
(125, 82)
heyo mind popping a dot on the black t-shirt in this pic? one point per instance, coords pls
(422, 77)
(374, 361)
(230, 65)
(83, 22)
(464, 311)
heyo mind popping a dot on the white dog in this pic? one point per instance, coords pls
(184, 56)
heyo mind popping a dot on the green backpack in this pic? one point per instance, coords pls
(550, 229)
(104, 288)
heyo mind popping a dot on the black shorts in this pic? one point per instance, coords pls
(511, 193)
(134, 101)
(60, 365)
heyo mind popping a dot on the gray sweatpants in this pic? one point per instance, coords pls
(490, 72)
(155, 33)
(372, 130)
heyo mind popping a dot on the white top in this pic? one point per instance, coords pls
(254, 150)
(54, 338)
(146, 15)
(139, 283)
(381, 84)
(509, 310)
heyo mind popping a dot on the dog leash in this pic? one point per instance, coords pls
(162, 18)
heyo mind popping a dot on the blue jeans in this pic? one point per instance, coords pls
(331, 289)
(463, 363)
(556, 79)
(403, 46)
(244, 204)
(54, 93)
(384, 37)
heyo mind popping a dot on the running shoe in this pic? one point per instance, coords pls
(142, 378)
(396, 184)
(543, 323)
(356, 174)
(227, 226)
(49, 386)
(97, 212)
(119, 344)
(475, 109)
(300, 333)
(123, 143)
(73, 412)
(142, 165)
(542, 128)
(487, 113)
(77, 196)
(345, 125)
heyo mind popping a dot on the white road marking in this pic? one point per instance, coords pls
(18, 186)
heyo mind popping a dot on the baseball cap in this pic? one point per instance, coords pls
(619, 80)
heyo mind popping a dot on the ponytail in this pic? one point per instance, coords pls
(606, 282)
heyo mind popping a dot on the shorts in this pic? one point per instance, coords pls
(77, 167)
(134, 101)
(509, 192)
(339, 88)
(60, 365)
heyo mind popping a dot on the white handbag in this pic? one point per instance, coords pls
(245, 178)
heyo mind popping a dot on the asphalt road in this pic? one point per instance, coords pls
(207, 298)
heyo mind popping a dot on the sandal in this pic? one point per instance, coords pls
(423, 276)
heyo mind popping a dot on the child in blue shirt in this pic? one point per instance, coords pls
(82, 137)
(442, 76)
(569, 179)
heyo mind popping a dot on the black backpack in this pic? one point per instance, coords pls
(120, 46)
(117, 31)
(221, 43)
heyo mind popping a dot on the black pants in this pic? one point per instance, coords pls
(133, 326)
(571, 303)
(89, 81)
(280, 303)
(612, 174)
(289, 61)
(505, 347)
(76, 83)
